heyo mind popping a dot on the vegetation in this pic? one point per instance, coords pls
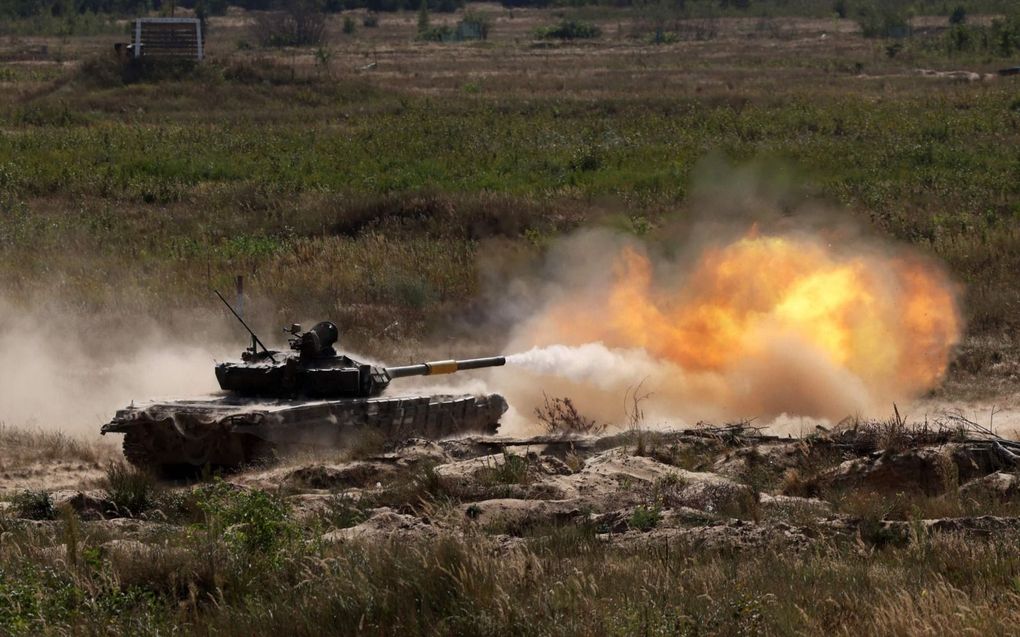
(935, 172)
(241, 572)
(298, 23)
(130, 490)
(34, 505)
(221, 558)
(560, 416)
(400, 204)
(569, 30)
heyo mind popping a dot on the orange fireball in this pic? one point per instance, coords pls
(889, 321)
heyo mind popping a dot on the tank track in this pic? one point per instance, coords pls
(159, 447)
(182, 437)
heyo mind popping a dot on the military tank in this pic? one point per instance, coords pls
(307, 396)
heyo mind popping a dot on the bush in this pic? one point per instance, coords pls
(513, 470)
(1001, 38)
(882, 21)
(348, 25)
(475, 23)
(441, 33)
(559, 416)
(645, 518)
(958, 16)
(34, 505)
(370, 21)
(343, 511)
(253, 522)
(569, 30)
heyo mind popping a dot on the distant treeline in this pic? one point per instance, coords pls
(13, 9)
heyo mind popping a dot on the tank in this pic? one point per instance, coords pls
(307, 396)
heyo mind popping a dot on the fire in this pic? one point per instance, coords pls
(888, 322)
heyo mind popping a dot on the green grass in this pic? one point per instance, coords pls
(181, 198)
(568, 584)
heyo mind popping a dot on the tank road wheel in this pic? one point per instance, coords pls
(137, 451)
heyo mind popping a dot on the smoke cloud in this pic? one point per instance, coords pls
(785, 327)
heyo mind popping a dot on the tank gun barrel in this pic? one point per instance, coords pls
(444, 367)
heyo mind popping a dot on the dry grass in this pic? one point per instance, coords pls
(400, 183)
(569, 584)
(22, 446)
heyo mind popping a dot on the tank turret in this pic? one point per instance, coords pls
(313, 369)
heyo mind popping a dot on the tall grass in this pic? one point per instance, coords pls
(22, 446)
(455, 586)
(194, 200)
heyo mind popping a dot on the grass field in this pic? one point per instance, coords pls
(137, 197)
(398, 187)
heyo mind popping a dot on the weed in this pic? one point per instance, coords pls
(564, 539)
(252, 522)
(411, 491)
(569, 30)
(560, 416)
(132, 490)
(514, 469)
(344, 511)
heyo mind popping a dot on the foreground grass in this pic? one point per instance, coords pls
(266, 577)
(431, 555)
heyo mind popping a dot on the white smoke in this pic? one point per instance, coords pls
(591, 363)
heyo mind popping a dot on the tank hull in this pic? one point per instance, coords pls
(228, 432)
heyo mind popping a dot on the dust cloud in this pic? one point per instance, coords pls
(790, 327)
(62, 371)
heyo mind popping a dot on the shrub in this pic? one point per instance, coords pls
(645, 518)
(881, 21)
(34, 505)
(253, 522)
(560, 416)
(348, 25)
(958, 16)
(569, 30)
(409, 492)
(474, 22)
(370, 21)
(513, 470)
(343, 511)
(423, 17)
(440, 33)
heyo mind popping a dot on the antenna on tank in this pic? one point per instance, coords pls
(255, 342)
